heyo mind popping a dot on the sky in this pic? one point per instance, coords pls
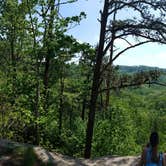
(151, 54)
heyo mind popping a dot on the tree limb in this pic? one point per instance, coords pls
(117, 55)
(121, 52)
(132, 85)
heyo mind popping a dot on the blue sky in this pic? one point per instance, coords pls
(88, 31)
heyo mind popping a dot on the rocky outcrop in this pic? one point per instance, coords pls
(15, 154)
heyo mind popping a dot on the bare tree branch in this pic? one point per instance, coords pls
(121, 52)
(129, 4)
(126, 41)
(132, 85)
(117, 55)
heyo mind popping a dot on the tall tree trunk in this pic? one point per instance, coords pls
(108, 82)
(2, 122)
(37, 135)
(48, 39)
(101, 101)
(46, 81)
(37, 97)
(37, 77)
(83, 109)
(96, 81)
(61, 104)
(13, 63)
(108, 90)
(109, 74)
(71, 117)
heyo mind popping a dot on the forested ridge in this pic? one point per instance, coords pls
(68, 96)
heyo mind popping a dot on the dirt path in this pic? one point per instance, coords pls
(14, 154)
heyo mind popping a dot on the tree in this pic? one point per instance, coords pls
(147, 24)
(13, 34)
(32, 41)
(86, 63)
(49, 49)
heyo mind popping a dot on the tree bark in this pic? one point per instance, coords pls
(49, 53)
(83, 109)
(108, 78)
(37, 77)
(96, 81)
(13, 62)
(61, 104)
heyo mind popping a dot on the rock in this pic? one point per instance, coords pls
(15, 154)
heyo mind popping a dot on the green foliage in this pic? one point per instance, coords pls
(27, 43)
(115, 135)
(29, 157)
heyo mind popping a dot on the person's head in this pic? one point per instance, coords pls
(154, 139)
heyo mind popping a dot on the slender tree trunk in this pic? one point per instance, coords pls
(37, 98)
(71, 116)
(101, 100)
(108, 90)
(109, 74)
(2, 122)
(85, 94)
(108, 82)
(13, 63)
(96, 81)
(46, 81)
(48, 39)
(37, 77)
(61, 104)
(83, 109)
(37, 135)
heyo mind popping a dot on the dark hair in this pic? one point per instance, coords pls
(154, 139)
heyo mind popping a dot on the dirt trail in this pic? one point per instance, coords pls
(15, 154)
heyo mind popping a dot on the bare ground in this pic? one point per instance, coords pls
(14, 154)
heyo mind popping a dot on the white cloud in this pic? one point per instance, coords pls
(152, 55)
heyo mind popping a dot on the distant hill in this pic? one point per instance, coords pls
(133, 69)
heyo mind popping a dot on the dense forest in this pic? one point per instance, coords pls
(68, 96)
